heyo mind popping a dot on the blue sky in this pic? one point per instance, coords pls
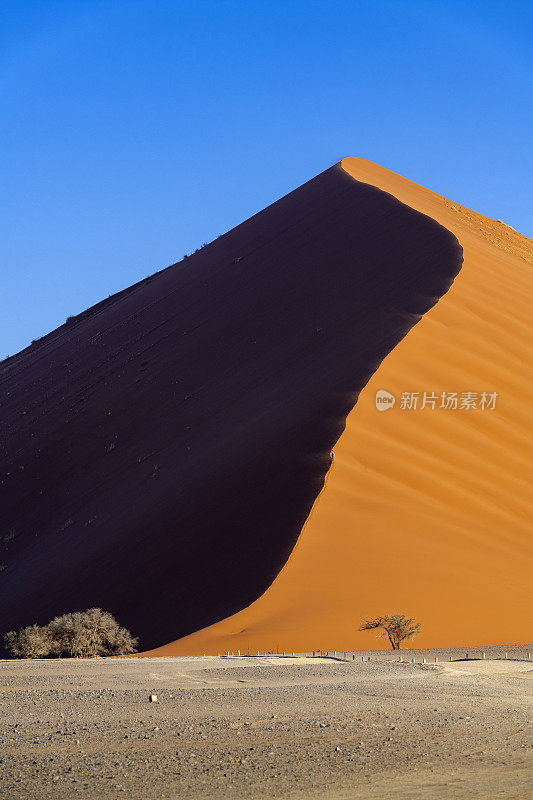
(132, 132)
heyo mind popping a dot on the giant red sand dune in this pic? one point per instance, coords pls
(425, 512)
(163, 451)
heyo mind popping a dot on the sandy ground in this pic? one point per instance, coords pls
(266, 727)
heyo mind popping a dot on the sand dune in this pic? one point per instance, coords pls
(162, 451)
(427, 512)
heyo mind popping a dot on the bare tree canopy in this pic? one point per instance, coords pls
(397, 627)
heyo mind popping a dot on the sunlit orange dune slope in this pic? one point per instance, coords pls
(425, 511)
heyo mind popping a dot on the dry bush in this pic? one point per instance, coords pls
(31, 642)
(81, 634)
(84, 634)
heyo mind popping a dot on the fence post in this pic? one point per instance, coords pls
(506, 655)
(401, 658)
(483, 656)
(353, 656)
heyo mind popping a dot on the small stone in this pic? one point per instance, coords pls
(153, 698)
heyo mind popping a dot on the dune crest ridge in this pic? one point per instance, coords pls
(427, 511)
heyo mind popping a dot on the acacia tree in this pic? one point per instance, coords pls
(84, 634)
(397, 627)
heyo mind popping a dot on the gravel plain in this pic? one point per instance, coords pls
(268, 727)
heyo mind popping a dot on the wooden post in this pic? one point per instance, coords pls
(362, 658)
(483, 656)
(423, 661)
(401, 658)
(436, 659)
(451, 659)
(529, 656)
(353, 656)
(413, 660)
(505, 655)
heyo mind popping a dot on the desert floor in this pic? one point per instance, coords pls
(273, 726)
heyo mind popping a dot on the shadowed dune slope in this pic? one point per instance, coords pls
(161, 451)
(426, 512)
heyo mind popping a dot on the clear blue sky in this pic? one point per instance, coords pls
(133, 131)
